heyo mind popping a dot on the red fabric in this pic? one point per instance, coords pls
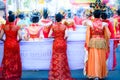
(37, 34)
(59, 69)
(118, 25)
(110, 26)
(46, 20)
(34, 24)
(11, 63)
(70, 24)
(46, 29)
(116, 42)
(0, 71)
(78, 21)
(97, 28)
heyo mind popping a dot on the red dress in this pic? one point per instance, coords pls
(78, 21)
(59, 69)
(70, 24)
(11, 63)
(34, 28)
(110, 26)
(46, 23)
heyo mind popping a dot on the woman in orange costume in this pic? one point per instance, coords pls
(96, 45)
(11, 63)
(34, 31)
(59, 68)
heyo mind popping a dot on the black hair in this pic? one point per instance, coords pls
(21, 16)
(10, 12)
(118, 12)
(35, 19)
(11, 16)
(58, 17)
(97, 13)
(104, 15)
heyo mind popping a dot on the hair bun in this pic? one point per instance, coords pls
(10, 12)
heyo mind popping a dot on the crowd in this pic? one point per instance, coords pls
(101, 26)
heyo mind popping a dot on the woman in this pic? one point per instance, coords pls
(2, 21)
(59, 68)
(46, 23)
(34, 31)
(117, 25)
(22, 22)
(69, 22)
(96, 45)
(104, 16)
(11, 63)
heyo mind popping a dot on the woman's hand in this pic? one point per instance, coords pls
(2, 40)
(19, 40)
(66, 38)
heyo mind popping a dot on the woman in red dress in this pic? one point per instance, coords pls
(11, 62)
(59, 68)
(34, 31)
(69, 22)
(46, 23)
(110, 26)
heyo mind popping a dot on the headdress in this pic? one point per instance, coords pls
(45, 13)
(98, 5)
(69, 13)
(44, 10)
(88, 12)
(62, 11)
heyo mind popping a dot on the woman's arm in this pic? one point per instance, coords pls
(66, 34)
(26, 36)
(1, 35)
(19, 35)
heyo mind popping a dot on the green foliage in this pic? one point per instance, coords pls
(9, 2)
(27, 3)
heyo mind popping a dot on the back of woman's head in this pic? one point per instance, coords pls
(11, 17)
(58, 17)
(104, 15)
(35, 19)
(10, 12)
(97, 13)
(21, 16)
(118, 12)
